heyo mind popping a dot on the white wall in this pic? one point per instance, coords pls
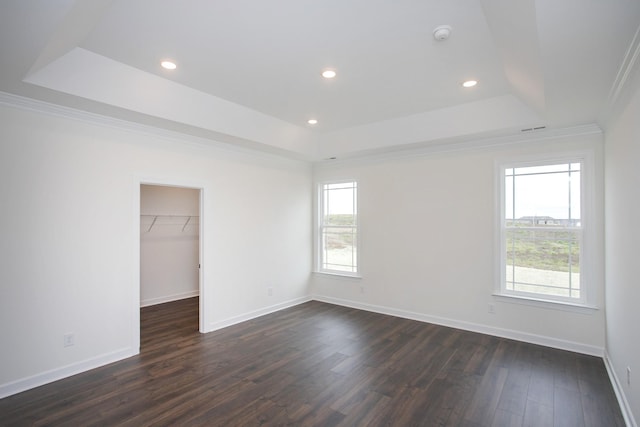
(428, 239)
(70, 221)
(169, 243)
(622, 211)
(70, 194)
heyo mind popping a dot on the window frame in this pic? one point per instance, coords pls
(320, 226)
(587, 232)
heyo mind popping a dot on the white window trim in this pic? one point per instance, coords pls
(317, 235)
(587, 302)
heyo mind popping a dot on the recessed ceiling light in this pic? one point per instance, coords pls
(329, 74)
(469, 83)
(312, 121)
(168, 65)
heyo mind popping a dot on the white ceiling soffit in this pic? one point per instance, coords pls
(513, 25)
(89, 75)
(70, 32)
(460, 121)
(248, 71)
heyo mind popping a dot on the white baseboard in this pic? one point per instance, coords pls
(257, 313)
(617, 388)
(169, 298)
(18, 386)
(43, 378)
(468, 326)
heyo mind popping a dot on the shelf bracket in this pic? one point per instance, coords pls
(152, 223)
(186, 223)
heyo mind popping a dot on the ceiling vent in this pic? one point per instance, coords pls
(537, 128)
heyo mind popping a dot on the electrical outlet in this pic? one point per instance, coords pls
(270, 291)
(492, 309)
(68, 340)
(628, 375)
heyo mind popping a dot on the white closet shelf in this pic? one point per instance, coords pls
(183, 220)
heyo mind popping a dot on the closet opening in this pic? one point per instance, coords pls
(170, 254)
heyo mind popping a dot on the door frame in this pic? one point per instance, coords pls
(135, 298)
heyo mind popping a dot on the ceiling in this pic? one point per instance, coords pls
(249, 71)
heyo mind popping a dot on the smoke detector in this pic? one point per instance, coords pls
(441, 32)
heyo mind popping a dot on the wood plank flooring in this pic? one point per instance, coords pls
(318, 364)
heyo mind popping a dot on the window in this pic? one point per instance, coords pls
(338, 228)
(541, 233)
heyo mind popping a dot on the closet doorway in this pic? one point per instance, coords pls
(170, 246)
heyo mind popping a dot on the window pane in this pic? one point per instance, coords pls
(543, 261)
(340, 219)
(339, 249)
(338, 227)
(542, 196)
(542, 220)
(339, 204)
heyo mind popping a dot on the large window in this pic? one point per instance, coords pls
(542, 231)
(338, 228)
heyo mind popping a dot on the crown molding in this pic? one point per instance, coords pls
(628, 68)
(472, 143)
(166, 135)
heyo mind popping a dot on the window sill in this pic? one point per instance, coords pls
(337, 274)
(548, 304)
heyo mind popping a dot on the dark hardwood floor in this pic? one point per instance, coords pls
(322, 365)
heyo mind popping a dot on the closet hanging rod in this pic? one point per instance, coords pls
(169, 216)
